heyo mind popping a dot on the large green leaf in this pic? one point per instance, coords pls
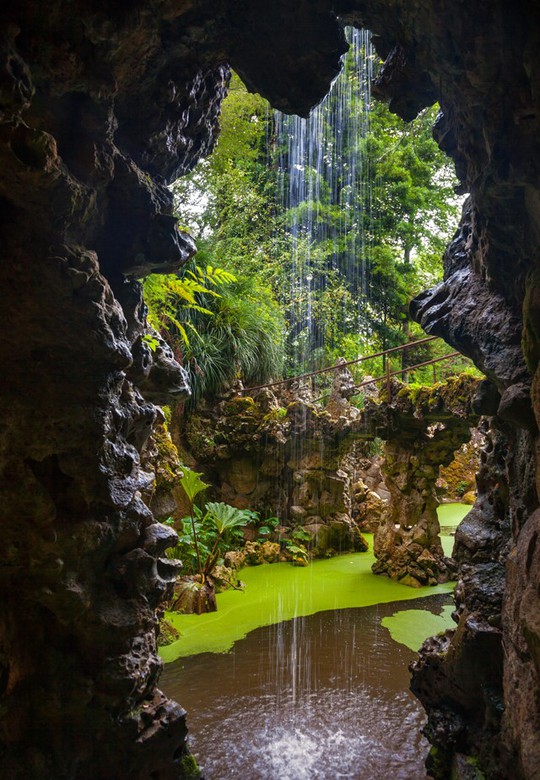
(225, 517)
(192, 483)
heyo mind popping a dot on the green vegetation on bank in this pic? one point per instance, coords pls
(278, 592)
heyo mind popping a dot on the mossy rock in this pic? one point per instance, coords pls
(338, 537)
(241, 405)
(188, 768)
(453, 396)
(168, 469)
(257, 553)
(167, 633)
(201, 444)
(466, 768)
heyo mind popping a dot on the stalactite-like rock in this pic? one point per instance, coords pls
(459, 677)
(100, 108)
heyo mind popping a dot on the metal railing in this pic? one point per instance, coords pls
(387, 376)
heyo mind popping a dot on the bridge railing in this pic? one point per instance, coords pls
(387, 376)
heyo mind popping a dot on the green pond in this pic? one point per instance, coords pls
(279, 592)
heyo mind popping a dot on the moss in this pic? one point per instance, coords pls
(437, 763)
(240, 405)
(454, 395)
(473, 770)
(167, 633)
(168, 460)
(168, 454)
(189, 767)
(200, 443)
(415, 393)
(275, 415)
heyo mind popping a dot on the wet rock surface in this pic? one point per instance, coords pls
(289, 460)
(100, 108)
(427, 427)
(309, 465)
(459, 678)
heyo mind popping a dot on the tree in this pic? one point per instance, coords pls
(339, 240)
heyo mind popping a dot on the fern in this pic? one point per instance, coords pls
(170, 298)
(237, 331)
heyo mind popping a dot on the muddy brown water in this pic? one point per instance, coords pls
(324, 696)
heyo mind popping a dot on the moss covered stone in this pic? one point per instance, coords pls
(167, 633)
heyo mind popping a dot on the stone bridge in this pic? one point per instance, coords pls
(290, 456)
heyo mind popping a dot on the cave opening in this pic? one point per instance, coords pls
(98, 112)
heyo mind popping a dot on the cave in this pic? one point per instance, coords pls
(103, 105)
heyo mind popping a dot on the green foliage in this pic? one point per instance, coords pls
(218, 336)
(375, 448)
(226, 522)
(192, 483)
(300, 535)
(243, 338)
(151, 341)
(188, 767)
(225, 517)
(298, 552)
(461, 487)
(207, 533)
(268, 527)
(260, 322)
(167, 295)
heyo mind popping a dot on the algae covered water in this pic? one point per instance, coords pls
(305, 674)
(279, 592)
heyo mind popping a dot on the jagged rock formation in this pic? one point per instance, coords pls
(459, 677)
(428, 427)
(302, 462)
(99, 107)
(457, 481)
(284, 460)
(159, 456)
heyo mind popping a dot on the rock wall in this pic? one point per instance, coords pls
(427, 427)
(99, 107)
(291, 461)
(457, 481)
(482, 62)
(304, 463)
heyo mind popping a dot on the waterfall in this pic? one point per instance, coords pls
(324, 186)
(324, 193)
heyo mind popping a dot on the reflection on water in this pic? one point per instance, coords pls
(324, 696)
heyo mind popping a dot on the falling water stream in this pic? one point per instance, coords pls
(323, 187)
(323, 695)
(316, 691)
